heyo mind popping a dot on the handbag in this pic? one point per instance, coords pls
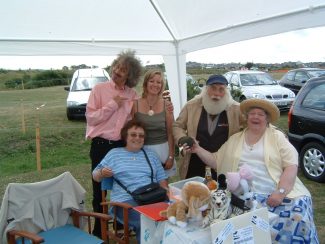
(148, 194)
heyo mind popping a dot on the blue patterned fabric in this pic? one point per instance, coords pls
(294, 222)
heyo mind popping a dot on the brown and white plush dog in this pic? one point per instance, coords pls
(195, 200)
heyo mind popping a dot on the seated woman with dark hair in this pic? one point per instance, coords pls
(129, 165)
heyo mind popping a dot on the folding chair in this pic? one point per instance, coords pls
(114, 233)
(49, 211)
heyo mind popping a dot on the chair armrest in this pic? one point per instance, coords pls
(120, 204)
(104, 219)
(113, 234)
(11, 236)
(94, 214)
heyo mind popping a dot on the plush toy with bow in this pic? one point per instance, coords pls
(195, 200)
(240, 184)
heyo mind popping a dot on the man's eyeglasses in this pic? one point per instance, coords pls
(134, 135)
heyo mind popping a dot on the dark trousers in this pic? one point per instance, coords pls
(98, 150)
(197, 168)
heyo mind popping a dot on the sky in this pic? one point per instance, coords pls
(303, 45)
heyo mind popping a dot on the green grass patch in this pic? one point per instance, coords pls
(63, 144)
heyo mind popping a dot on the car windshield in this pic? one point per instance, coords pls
(316, 73)
(258, 79)
(87, 83)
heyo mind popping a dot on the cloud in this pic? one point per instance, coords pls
(303, 45)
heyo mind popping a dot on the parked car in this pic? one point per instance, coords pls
(296, 78)
(83, 80)
(306, 123)
(258, 84)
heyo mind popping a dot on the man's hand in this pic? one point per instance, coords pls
(188, 144)
(119, 100)
(185, 141)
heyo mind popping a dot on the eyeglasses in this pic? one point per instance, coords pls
(134, 135)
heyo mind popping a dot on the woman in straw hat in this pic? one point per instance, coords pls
(274, 162)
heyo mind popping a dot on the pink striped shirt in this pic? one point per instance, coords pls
(104, 118)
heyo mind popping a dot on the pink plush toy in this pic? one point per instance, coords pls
(240, 184)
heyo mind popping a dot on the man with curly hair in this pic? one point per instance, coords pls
(108, 109)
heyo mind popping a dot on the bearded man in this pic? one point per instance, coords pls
(211, 118)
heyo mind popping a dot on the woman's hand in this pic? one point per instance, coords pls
(275, 199)
(207, 157)
(169, 163)
(169, 106)
(287, 181)
(193, 148)
(106, 172)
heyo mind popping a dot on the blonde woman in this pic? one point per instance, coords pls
(151, 109)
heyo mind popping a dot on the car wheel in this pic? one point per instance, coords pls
(69, 116)
(312, 161)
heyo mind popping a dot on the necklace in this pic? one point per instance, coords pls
(250, 147)
(151, 112)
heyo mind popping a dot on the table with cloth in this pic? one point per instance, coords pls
(154, 232)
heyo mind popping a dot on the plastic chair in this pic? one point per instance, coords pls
(49, 211)
(119, 235)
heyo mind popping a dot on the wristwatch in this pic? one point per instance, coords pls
(170, 157)
(282, 190)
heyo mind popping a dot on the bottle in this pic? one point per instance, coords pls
(211, 183)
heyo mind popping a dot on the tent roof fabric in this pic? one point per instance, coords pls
(103, 27)
(151, 27)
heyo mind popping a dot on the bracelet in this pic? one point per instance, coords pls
(170, 157)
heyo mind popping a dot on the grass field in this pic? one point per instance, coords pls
(63, 144)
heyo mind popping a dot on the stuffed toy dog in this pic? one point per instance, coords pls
(195, 200)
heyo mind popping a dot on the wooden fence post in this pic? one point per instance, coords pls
(38, 139)
(38, 147)
(23, 124)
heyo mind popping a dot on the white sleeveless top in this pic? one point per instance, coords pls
(253, 156)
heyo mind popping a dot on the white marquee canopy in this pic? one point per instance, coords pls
(171, 28)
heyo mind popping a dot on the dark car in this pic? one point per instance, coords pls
(296, 78)
(306, 121)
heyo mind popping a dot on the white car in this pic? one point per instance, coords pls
(83, 80)
(258, 84)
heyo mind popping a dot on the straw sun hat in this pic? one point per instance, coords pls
(270, 108)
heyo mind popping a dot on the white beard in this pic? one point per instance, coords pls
(214, 107)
